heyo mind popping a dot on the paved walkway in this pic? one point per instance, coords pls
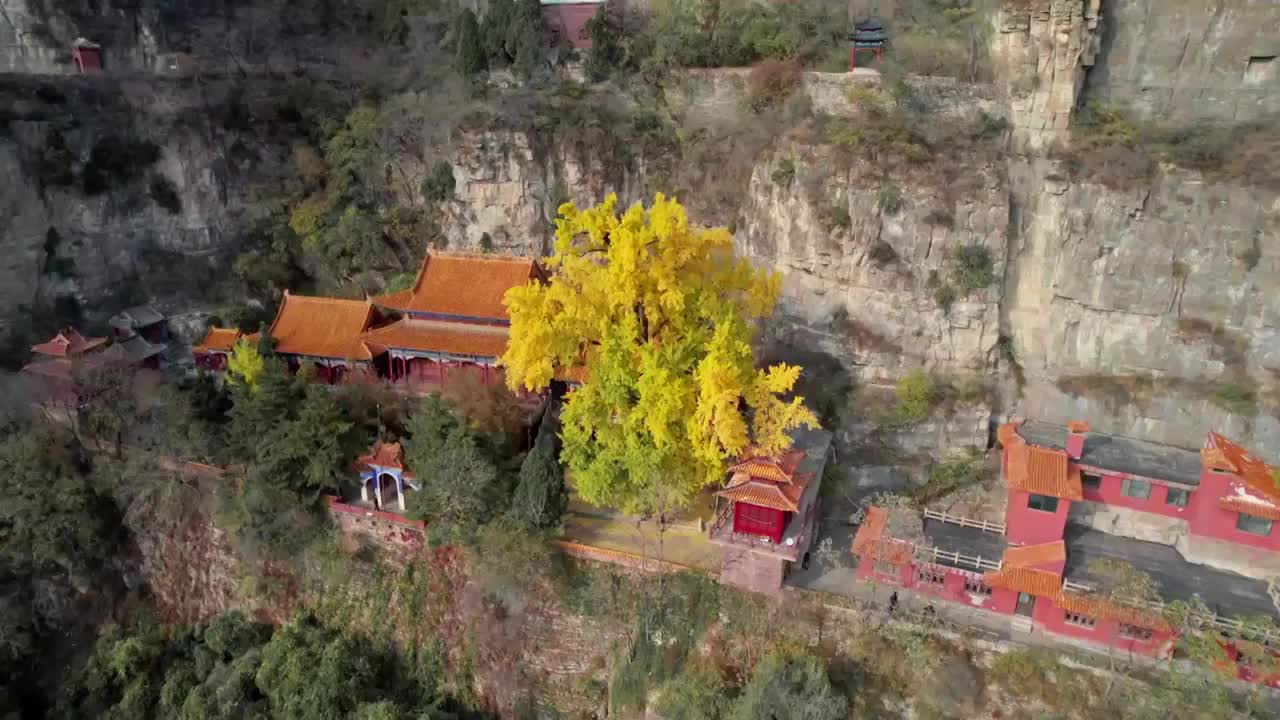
(683, 544)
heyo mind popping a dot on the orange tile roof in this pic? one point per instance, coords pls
(385, 455)
(756, 463)
(1041, 583)
(57, 368)
(1214, 458)
(67, 343)
(762, 494)
(1029, 556)
(1102, 608)
(871, 530)
(1249, 506)
(1008, 433)
(1222, 453)
(870, 543)
(1078, 426)
(440, 336)
(1039, 470)
(322, 327)
(218, 340)
(464, 285)
(757, 491)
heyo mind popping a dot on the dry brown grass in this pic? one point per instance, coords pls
(771, 82)
(1112, 148)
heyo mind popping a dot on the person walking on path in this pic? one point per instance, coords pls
(893, 602)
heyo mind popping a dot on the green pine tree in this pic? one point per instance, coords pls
(470, 58)
(540, 498)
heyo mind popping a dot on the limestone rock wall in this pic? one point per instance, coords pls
(1153, 299)
(869, 285)
(510, 184)
(99, 251)
(1186, 60)
(938, 438)
(1042, 49)
(148, 38)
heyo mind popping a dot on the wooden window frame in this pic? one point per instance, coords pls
(1185, 496)
(1130, 483)
(1243, 518)
(1096, 479)
(1034, 499)
(1080, 620)
(931, 576)
(975, 586)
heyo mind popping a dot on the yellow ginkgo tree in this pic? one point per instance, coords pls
(660, 314)
(245, 366)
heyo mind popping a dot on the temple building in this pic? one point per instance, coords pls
(325, 333)
(1200, 524)
(765, 512)
(450, 323)
(382, 473)
(59, 360)
(62, 362)
(142, 320)
(213, 351)
(452, 320)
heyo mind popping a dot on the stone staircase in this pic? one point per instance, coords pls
(1021, 624)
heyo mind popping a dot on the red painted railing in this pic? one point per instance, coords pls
(337, 505)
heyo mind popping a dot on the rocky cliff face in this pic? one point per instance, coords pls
(1145, 309)
(870, 283)
(817, 219)
(146, 38)
(1042, 49)
(1138, 308)
(1216, 60)
(117, 192)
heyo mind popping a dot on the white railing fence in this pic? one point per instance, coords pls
(984, 525)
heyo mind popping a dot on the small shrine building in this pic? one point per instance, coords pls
(87, 56)
(766, 511)
(381, 471)
(868, 36)
(765, 492)
(565, 21)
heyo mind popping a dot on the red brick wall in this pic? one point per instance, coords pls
(1025, 526)
(391, 531)
(1106, 632)
(1202, 513)
(567, 23)
(1207, 519)
(952, 590)
(1110, 493)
